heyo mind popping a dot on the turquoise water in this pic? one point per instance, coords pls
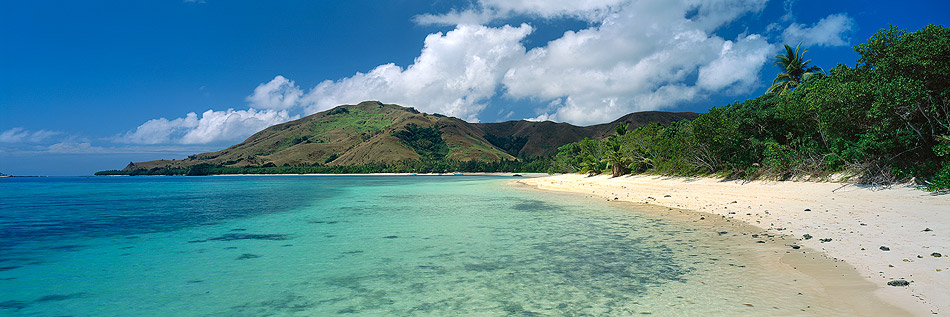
(365, 245)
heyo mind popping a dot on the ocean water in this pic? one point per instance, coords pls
(372, 246)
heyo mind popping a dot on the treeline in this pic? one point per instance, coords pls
(884, 120)
(525, 165)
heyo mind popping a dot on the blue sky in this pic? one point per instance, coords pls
(92, 85)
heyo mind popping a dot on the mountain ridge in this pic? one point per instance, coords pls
(371, 132)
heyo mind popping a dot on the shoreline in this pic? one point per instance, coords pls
(858, 220)
(510, 174)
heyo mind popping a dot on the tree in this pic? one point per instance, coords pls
(614, 157)
(591, 158)
(795, 70)
(641, 146)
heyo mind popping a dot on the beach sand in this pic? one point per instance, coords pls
(913, 224)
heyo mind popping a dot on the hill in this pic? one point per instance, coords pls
(374, 133)
(530, 138)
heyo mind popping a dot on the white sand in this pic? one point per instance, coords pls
(858, 219)
(391, 174)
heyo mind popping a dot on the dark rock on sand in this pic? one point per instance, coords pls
(825, 240)
(898, 283)
(796, 247)
(927, 230)
(807, 236)
(885, 248)
(936, 255)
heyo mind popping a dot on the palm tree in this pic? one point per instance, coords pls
(614, 157)
(591, 153)
(795, 70)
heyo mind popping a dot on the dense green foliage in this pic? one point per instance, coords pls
(884, 120)
(510, 144)
(427, 142)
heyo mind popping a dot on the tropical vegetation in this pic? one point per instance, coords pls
(794, 70)
(883, 120)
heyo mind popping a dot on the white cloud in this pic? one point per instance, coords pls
(833, 30)
(737, 66)
(75, 147)
(635, 56)
(788, 5)
(454, 74)
(642, 57)
(456, 17)
(211, 127)
(279, 93)
(485, 11)
(638, 55)
(21, 135)
(711, 14)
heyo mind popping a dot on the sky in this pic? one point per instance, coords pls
(93, 85)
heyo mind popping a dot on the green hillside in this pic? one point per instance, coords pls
(375, 137)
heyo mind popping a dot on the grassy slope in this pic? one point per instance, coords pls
(360, 134)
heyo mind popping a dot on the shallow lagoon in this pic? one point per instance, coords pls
(374, 245)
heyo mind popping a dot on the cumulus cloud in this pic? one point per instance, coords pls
(21, 135)
(833, 30)
(279, 93)
(643, 57)
(211, 127)
(636, 55)
(454, 74)
(736, 66)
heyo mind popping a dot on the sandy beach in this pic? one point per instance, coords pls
(397, 174)
(886, 234)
